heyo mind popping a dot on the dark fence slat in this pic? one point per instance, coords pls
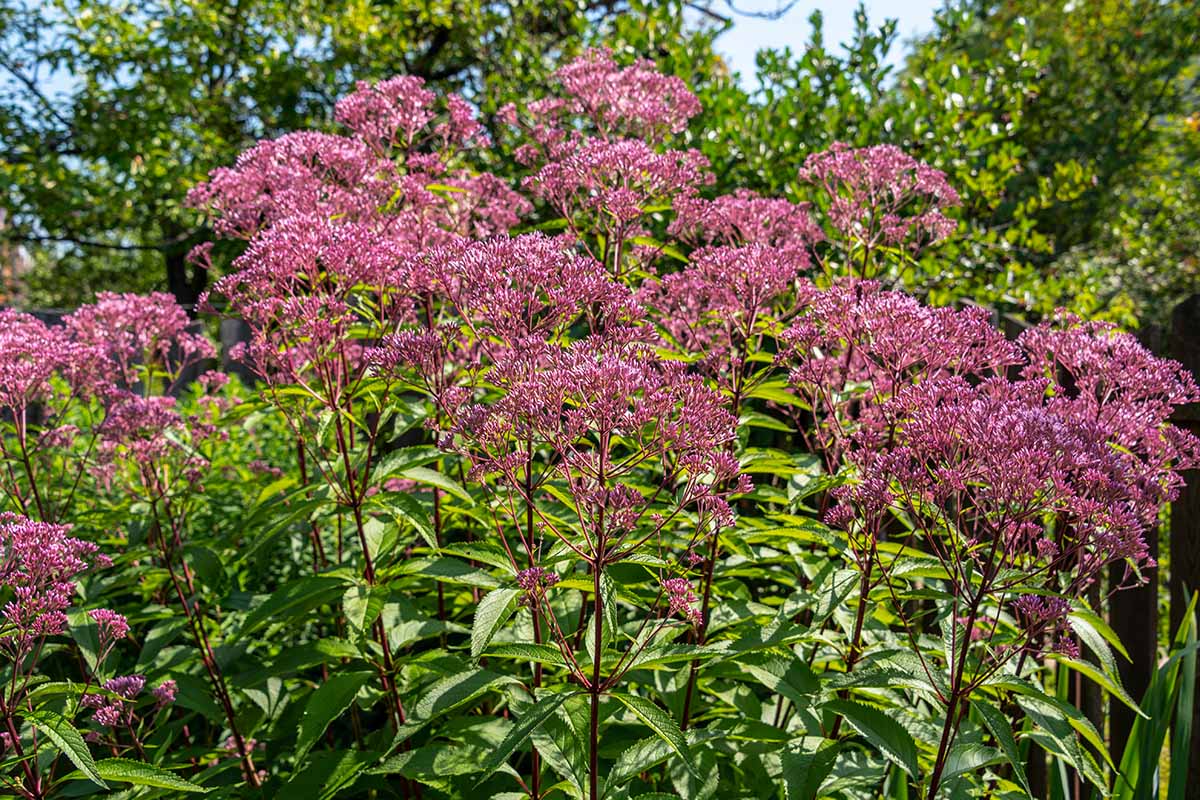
(1185, 512)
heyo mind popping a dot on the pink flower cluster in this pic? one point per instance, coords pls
(854, 334)
(31, 353)
(396, 171)
(881, 197)
(605, 369)
(147, 338)
(1040, 461)
(39, 563)
(635, 101)
(682, 600)
(111, 712)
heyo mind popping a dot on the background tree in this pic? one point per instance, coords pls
(1069, 129)
(111, 109)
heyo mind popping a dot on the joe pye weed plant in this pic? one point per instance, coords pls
(576, 482)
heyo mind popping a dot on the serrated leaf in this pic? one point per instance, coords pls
(529, 722)
(455, 690)
(291, 600)
(405, 458)
(1101, 627)
(638, 758)
(997, 723)
(431, 477)
(141, 774)
(658, 721)
(1110, 683)
(326, 704)
(806, 765)
(965, 758)
(490, 615)
(527, 651)
(790, 678)
(881, 731)
(59, 730)
(406, 508)
(361, 606)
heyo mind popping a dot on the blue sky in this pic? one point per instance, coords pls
(750, 34)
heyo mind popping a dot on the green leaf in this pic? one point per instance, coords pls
(292, 600)
(362, 605)
(431, 477)
(325, 705)
(406, 508)
(404, 458)
(1109, 682)
(790, 678)
(638, 758)
(1181, 739)
(327, 773)
(527, 651)
(657, 720)
(880, 730)
(455, 690)
(562, 743)
(490, 615)
(1083, 617)
(208, 567)
(141, 774)
(60, 731)
(998, 724)
(964, 758)
(806, 765)
(525, 726)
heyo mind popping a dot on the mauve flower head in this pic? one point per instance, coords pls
(110, 716)
(112, 626)
(38, 563)
(137, 332)
(881, 196)
(31, 353)
(139, 421)
(397, 114)
(997, 449)
(682, 599)
(305, 173)
(165, 692)
(1067, 646)
(617, 179)
(127, 686)
(1103, 377)
(854, 346)
(387, 113)
(395, 172)
(1038, 609)
(535, 580)
(746, 217)
(608, 393)
(530, 287)
(637, 100)
(723, 300)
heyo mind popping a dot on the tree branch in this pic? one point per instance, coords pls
(36, 92)
(157, 246)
